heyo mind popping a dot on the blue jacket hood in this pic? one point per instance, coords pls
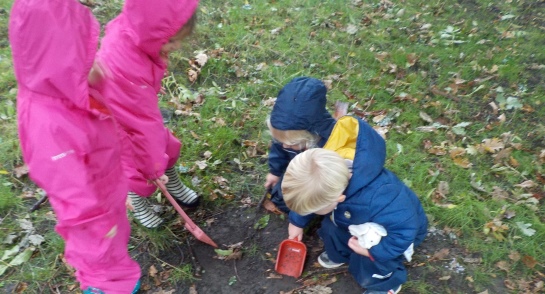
(301, 105)
(369, 159)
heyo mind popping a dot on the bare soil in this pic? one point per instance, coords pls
(439, 262)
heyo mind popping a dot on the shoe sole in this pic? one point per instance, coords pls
(323, 264)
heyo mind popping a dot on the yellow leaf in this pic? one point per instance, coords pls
(462, 162)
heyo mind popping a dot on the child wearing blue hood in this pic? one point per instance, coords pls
(299, 121)
(346, 182)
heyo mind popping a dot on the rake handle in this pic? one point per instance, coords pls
(188, 221)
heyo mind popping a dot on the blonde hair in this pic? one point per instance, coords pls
(313, 180)
(303, 138)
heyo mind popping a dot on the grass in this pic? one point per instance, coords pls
(448, 60)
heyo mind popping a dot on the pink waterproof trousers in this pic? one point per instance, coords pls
(72, 151)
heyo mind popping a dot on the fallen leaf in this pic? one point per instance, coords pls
(525, 228)
(514, 256)
(440, 255)
(270, 206)
(503, 265)
(529, 261)
(192, 75)
(426, 117)
(274, 276)
(457, 152)
(201, 164)
(152, 271)
(526, 184)
(21, 170)
(492, 145)
(462, 162)
(201, 59)
(193, 289)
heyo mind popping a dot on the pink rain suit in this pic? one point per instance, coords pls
(72, 151)
(130, 56)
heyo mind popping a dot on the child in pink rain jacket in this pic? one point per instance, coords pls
(72, 150)
(133, 57)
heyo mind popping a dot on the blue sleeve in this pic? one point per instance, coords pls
(400, 217)
(300, 221)
(278, 160)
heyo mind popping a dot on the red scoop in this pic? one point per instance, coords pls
(291, 258)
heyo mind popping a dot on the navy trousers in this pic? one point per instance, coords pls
(371, 275)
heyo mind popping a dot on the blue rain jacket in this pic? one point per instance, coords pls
(374, 194)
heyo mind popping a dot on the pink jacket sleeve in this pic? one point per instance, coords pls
(130, 54)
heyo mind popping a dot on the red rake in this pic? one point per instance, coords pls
(189, 224)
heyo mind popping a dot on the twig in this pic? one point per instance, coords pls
(338, 270)
(434, 90)
(260, 203)
(5, 217)
(196, 264)
(38, 203)
(236, 271)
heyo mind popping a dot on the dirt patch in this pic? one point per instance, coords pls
(439, 261)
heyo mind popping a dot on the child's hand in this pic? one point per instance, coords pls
(341, 109)
(97, 74)
(271, 181)
(355, 245)
(295, 232)
(163, 179)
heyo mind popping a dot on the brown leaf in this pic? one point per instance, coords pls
(21, 170)
(441, 254)
(210, 221)
(192, 75)
(427, 144)
(503, 154)
(274, 276)
(529, 261)
(499, 194)
(492, 145)
(21, 287)
(152, 271)
(193, 289)
(457, 152)
(426, 117)
(509, 284)
(437, 150)
(503, 265)
(412, 58)
(514, 256)
(526, 184)
(194, 135)
(462, 162)
(443, 188)
(269, 206)
(381, 56)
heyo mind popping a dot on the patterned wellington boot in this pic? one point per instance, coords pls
(182, 194)
(143, 212)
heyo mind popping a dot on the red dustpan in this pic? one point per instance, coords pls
(291, 258)
(189, 224)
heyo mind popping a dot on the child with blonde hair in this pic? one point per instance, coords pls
(299, 121)
(133, 59)
(347, 183)
(69, 140)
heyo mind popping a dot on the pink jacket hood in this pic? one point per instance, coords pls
(60, 74)
(150, 24)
